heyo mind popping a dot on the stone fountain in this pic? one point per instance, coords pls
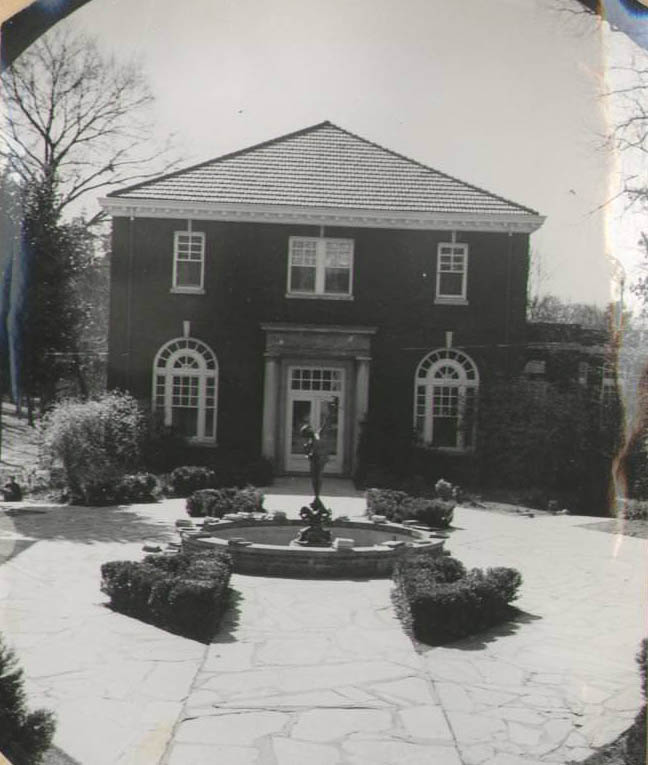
(266, 545)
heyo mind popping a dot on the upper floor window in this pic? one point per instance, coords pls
(452, 272)
(188, 261)
(320, 267)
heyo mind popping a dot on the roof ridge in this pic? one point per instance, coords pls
(222, 157)
(429, 167)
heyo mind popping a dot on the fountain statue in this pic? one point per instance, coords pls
(316, 514)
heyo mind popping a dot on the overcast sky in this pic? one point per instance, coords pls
(503, 94)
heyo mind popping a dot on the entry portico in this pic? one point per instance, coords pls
(313, 374)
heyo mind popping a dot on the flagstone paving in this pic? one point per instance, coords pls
(320, 672)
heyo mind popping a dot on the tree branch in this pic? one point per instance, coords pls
(77, 118)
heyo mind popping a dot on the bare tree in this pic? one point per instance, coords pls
(76, 120)
(550, 308)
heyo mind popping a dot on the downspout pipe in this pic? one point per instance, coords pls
(129, 302)
(507, 302)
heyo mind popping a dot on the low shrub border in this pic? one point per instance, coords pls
(138, 487)
(438, 601)
(215, 503)
(185, 593)
(229, 471)
(24, 736)
(186, 479)
(397, 506)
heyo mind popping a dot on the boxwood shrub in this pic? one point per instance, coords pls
(398, 506)
(185, 593)
(186, 479)
(439, 601)
(228, 471)
(241, 470)
(138, 487)
(216, 502)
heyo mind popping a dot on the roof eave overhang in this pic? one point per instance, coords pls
(522, 222)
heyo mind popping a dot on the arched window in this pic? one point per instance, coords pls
(445, 400)
(185, 387)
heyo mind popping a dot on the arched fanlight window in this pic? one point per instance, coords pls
(445, 400)
(185, 387)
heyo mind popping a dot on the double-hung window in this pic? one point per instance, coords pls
(188, 261)
(320, 267)
(452, 272)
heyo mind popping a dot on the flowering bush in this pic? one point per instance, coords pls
(96, 441)
(444, 489)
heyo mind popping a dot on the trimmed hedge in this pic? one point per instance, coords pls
(184, 593)
(398, 506)
(439, 601)
(24, 736)
(186, 479)
(228, 470)
(139, 487)
(215, 503)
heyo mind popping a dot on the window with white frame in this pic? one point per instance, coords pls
(188, 261)
(452, 272)
(185, 388)
(445, 400)
(609, 386)
(320, 267)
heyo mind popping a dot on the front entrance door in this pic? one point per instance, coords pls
(315, 397)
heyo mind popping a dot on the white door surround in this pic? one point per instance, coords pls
(306, 366)
(315, 396)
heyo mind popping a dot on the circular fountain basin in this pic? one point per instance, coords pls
(360, 548)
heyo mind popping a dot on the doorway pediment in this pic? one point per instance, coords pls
(312, 340)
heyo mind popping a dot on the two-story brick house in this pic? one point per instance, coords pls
(315, 276)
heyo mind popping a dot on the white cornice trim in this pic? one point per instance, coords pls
(121, 207)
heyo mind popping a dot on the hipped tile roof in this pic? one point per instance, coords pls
(322, 166)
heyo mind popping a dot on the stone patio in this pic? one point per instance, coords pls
(320, 671)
